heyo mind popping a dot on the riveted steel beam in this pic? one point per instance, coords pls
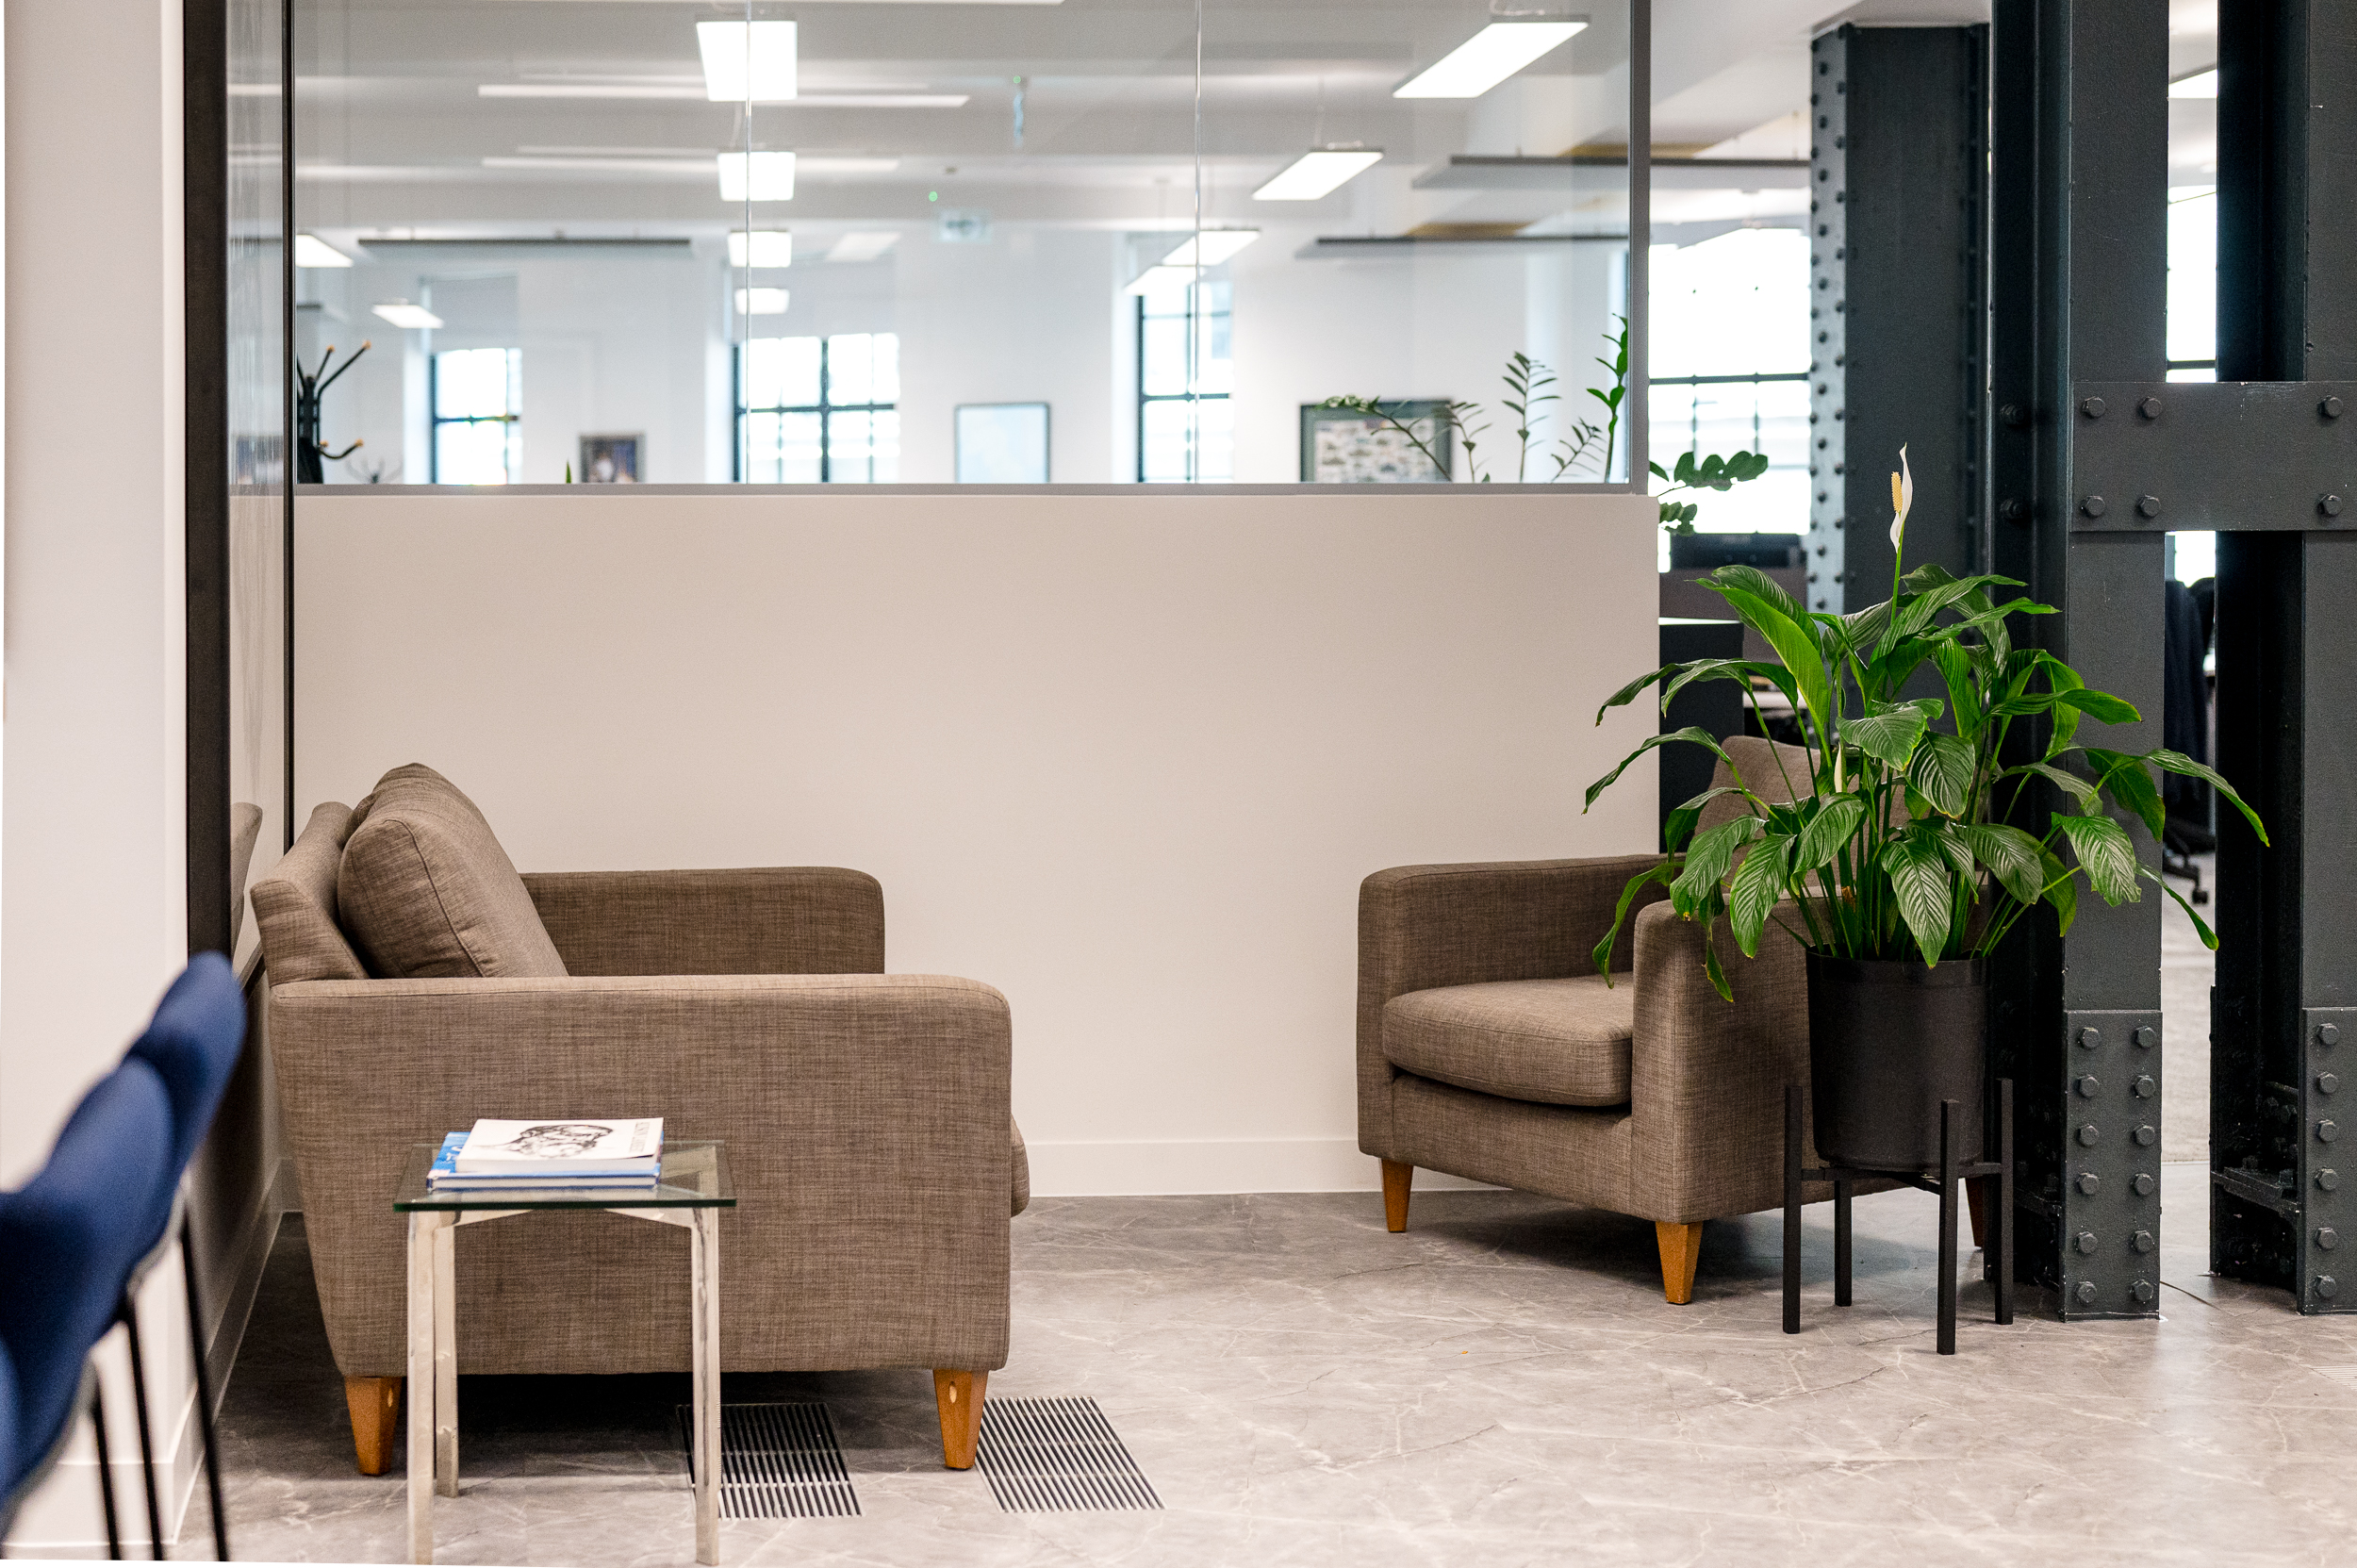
(2259, 456)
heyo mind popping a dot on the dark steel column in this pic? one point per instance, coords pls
(1897, 224)
(2078, 288)
(2283, 1210)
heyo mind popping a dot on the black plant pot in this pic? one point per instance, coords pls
(1888, 1039)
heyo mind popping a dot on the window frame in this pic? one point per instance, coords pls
(1194, 449)
(825, 407)
(435, 418)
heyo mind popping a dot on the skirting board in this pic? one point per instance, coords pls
(1135, 1169)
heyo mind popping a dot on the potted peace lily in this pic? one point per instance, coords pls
(1898, 862)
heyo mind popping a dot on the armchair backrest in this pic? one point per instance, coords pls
(1775, 771)
(295, 905)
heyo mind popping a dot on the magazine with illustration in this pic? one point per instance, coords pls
(572, 1147)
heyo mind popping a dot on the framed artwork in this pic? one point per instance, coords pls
(1002, 444)
(611, 459)
(1339, 447)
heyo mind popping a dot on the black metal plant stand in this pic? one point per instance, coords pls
(1944, 1181)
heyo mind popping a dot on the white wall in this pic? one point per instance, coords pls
(1126, 756)
(93, 801)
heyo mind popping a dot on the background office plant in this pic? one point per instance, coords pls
(1899, 841)
(1586, 452)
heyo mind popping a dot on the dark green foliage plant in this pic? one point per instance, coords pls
(1901, 840)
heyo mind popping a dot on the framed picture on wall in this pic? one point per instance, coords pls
(611, 459)
(1002, 444)
(1339, 447)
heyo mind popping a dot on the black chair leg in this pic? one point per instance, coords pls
(204, 1391)
(1947, 1335)
(1842, 1247)
(106, 1471)
(1793, 1208)
(2005, 1200)
(129, 1318)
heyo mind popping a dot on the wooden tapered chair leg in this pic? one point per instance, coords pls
(1397, 1176)
(1978, 1189)
(375, 1405)
(1681, 1254)
(960, 1397)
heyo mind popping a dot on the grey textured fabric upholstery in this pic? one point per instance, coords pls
(866, 1117)
(425, 891)
(1557, 1042)
(1701, 1134)
(1771, 770)
(295, 905)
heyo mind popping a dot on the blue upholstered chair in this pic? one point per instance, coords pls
(73, 1235)
(11, 1472)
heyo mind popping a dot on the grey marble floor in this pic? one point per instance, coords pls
(1502, 1385)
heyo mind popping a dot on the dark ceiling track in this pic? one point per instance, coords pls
(205, 207)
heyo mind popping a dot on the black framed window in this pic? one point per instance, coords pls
(477, 398)
(818, 410)
(1186, 373)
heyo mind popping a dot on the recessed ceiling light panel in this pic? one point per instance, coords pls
(1318, 173)
(756, 176)
(761, 302)
(406, 316)
(1216, 245)
(1487, 59)
(760, 248)
(746, 63)
(311, 251)
(862, 246)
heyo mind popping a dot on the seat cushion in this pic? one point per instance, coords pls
(1557, 1042)
(426, 892)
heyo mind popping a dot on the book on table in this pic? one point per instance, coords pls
(577, 1152)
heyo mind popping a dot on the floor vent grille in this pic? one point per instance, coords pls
(1050, 1456)
(777, 1462)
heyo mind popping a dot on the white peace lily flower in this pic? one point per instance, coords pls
(1902, 497)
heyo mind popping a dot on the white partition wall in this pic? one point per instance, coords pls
(1126, 755)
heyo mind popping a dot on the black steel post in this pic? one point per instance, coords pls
(2284, 1013)
(1898, 196)
(2078, 291)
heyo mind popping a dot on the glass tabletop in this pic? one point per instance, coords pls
(694, 1175)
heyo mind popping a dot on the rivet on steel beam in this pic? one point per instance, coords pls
(2328, 1035)
(2095, 506)
(2013, 511)
(2092, 409)
(2330, 408)
(2330, 506)
(2146, 1036)
(2087, 1086)
(2088, 1137)
(2014, 415)
(2143, 1184)
(2144, 1087)
(2149, 407)
(2143, 1242)
(2086, 1241)
(2148, 506)
(2329, 1082)
(2091, 1183)
(2142, 1291)
(2327, 1237)
(2147, 1136)
(2087, 1291)
(2327, 1131)
(2329, 1180)
(2327, 1286)
(2090, 1038)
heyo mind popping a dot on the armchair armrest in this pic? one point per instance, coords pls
(1707, 1076)
(787, 920)
(1421, 926)
(866, 1124)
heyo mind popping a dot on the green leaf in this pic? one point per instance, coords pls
(1699, 736)
(1628, 693)
(1709, 860)
(2104, 853)
(2200, 926)
(1681, 821)
(2070, 784)
(2130, 786)
(1759, 883)
(1660, 871)
(1889, 736)
(2177, 762)
(1832, 828)
(1943, 771)
(2012, 856)
(1712, 969)
(1760, 586)
(1789, 638)
(2101, 706)
(2060, 678)
(1956, 668)
(1919, 877)
(1738, 670)
(2061, 890)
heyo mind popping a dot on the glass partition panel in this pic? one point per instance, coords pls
(775, 243)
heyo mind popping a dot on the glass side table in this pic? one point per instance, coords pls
(693, 1190)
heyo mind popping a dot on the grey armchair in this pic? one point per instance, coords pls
(1490, 1049)
(866, 1116)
